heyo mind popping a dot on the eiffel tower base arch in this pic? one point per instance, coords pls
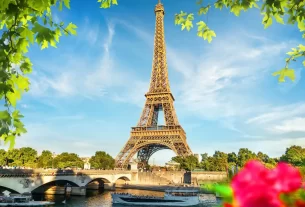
(145, 143)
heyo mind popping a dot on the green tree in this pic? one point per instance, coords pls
(244, 155)
(294, 155)
(102, 160)
(187, 163)
(204, 157)
(218, 162)
(45, 159)
(28, 157)
(23, 23)
(262, 157)
(2, 157)
(232, 157)
(66, 159)
(13, 158)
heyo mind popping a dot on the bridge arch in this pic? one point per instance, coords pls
(53, 183)
(123, 178)
(3, 188)
(99, 180)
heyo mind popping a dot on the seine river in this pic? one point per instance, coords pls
(101, 199)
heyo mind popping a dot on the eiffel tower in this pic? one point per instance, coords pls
(148, 137)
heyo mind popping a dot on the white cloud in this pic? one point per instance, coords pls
(279, 113)
(292, 125)
(221, 81)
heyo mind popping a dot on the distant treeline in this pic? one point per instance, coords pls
(220, 161)
(28, 157)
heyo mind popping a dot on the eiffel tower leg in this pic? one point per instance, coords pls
(120, 160)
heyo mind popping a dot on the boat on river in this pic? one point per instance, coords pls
(21, 200)
(173, 197)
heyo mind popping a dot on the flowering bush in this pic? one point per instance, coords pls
(257, 186)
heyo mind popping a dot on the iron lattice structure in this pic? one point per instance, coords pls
(148, 138)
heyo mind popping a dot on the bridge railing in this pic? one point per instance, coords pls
(54, 172)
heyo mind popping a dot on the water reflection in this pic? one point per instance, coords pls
(96, 198)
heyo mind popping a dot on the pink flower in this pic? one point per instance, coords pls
(256, 186)
(288, 178)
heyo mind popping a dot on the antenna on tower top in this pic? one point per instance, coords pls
(159, 1)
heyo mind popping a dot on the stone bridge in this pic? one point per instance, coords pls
(26, 181)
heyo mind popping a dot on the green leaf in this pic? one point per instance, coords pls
(105, 3)
(190, 17)
(293, 52)
(182, 14)
(26, 66)
(16, 115)
(10, 139)
(5, 116)
(301, 47)
(278, 18)
(22, 45)
(219, 4)
(71, 28)
(44, 44)
(13, 97)
(285, 72)
(22, 82)
(60, 5)
(301, 23)
(26, 33)
(210, 35)
(188, 25)
(4, 4)
(236, 9)
(67, 3)
(201, 25)
(114, 2)
(204, 10)
(267, 21)
(177, 18)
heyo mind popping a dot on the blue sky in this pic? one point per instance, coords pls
(87, 93)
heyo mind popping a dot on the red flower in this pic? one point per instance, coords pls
(300, 203)
(256, 186)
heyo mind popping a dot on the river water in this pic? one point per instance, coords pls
(103, 198)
